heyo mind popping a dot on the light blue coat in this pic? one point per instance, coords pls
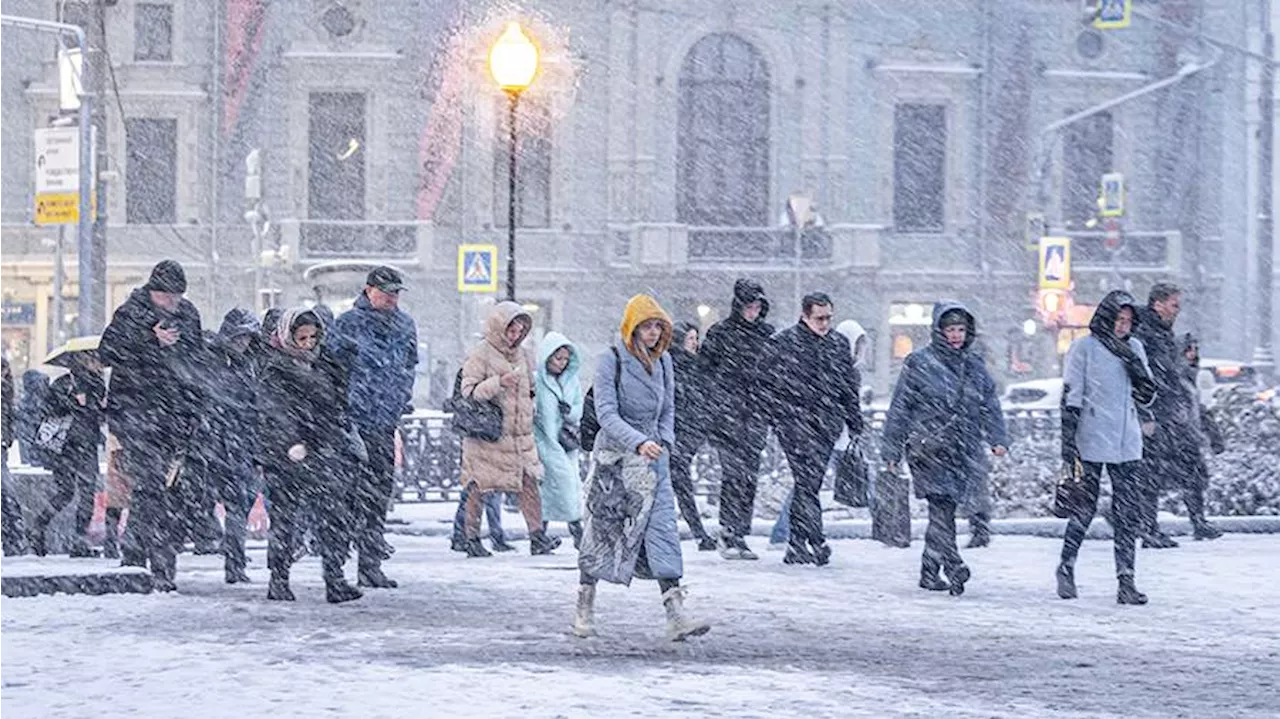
(641, 409)
(561, 482)
(1095, 381)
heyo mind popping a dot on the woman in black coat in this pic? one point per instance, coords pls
(305, 454)
(79, 394)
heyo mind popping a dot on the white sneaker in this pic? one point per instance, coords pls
(584, 624)
(727, 550)
(679, 626)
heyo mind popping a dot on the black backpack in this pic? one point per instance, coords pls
(473, 418)
(590, 423)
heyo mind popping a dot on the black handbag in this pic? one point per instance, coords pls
(473, 418)
(852, 477)
(570, 434)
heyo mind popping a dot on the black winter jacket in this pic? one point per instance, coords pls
(155, 391)
(813, 382)
(730, 367)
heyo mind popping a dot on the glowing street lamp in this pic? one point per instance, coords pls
(513, 62)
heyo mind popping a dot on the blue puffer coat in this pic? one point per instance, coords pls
(381, 349)
(927, 398)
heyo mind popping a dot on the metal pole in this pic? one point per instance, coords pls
(1263, 359)
(514, 97)
(59, 289)
(93, 308)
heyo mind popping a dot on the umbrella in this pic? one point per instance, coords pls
(63, 356)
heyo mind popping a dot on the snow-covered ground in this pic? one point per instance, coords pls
(489, 638)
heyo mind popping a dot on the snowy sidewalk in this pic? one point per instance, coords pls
(489, 638)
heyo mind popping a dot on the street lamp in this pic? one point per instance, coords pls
(513, 61)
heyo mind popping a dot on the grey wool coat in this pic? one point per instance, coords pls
(1095, 381)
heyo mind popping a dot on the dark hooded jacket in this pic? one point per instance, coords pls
(731, 369)
(932, 402)
(812, 382)
(380, 352)
(691, 410)
(85, 433)
(1175, 410)
(7, 406)
(301, 402)
(231, 379)
(31, 408)
(156, 393)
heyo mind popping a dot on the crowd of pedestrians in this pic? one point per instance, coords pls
(305, 407)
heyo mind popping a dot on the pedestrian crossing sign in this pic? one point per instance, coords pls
(477, 268)
(1055, 263)
(1113, 14)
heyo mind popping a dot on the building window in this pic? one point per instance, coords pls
(722, 171)
(151, 172)
(336, 161)
(1086, 157)
(153, 32)
(533, 164)
(919, 168)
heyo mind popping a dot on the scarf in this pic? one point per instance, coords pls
(1102, 327)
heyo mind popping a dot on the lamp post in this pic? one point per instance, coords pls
(513, 61)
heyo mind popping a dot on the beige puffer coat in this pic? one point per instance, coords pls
(500, 466)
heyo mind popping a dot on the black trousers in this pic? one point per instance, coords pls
(155, 517)
(373, 495)
(75, 477)
(739, 467)
(1126, 522)
(320, 489)
(687, 443)
(808, 453)
(940, 548)
(1187, 474)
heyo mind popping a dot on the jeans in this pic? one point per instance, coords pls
(1126, 520)
(781, 533)
(492, 510)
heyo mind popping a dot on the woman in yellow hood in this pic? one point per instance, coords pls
(629, 528)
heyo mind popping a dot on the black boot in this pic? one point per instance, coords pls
(475, 549)
(164, 569)
(500, 545)
(278, 589)
(1066, 581)
(111, 542)
(458, 543)
(979, 531)
(1128, 593)
(540, 543)
(931, 581)
(706, 544)
(575, 531)
(1204, 530)
(822, 554)
(799, 554)
(372, 576)
(1158, 540)
(336, 588)
(958, 576)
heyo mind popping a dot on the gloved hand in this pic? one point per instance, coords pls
(1070, 423)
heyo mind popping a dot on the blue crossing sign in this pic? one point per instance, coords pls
(477, 268)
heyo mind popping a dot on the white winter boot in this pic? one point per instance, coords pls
(679, 625)
(584, 622)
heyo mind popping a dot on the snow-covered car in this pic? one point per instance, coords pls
(1034, 396)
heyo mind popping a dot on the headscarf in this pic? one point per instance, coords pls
(641, 309)
(1103, 327)
(291, 320)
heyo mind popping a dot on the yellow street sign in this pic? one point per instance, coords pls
(1055, 263)
(57, 208)
(1111, 195)
(477, 268)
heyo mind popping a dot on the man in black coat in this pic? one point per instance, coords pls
(153, 346)
(1171, 423)
(230, 440)
(737, 409)
(691, 428)
(814, 391)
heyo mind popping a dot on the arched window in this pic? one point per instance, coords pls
(723, 164)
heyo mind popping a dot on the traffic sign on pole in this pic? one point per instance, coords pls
(1113, 14)
(57, 153)
(477, 268)
(1055, 263)
(1111, 195)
